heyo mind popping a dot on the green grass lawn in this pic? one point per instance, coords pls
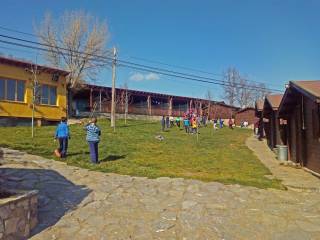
(133, 150)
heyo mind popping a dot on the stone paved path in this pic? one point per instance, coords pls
(80, 204)
(293, 178)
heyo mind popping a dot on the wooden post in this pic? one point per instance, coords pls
(170, 106)
(113, 94)
(190, 105)
(201, 108)
(149, 105)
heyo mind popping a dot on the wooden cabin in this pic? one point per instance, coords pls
(246, 114)
(273, 128)
(300, 106)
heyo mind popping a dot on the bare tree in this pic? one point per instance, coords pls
(124, 99)
(239, 90)
(245, 92)
(232, 78)
(261, 92)
(74, 40)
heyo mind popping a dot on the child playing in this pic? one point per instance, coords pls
(62, 134)
(186, 124)
(230, 123)
(93, 138)
(194, 125)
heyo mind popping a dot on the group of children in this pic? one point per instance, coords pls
(62, 134)
(191, 122)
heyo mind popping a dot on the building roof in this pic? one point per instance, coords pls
(310, 89)
(307, 87)
(259, 105)
(161, 95)
(27, 64)
(274, 100)
(245, 109)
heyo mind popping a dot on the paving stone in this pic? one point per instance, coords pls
(80, 204)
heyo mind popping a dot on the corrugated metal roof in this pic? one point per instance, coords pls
(312, 87)
(274, 100)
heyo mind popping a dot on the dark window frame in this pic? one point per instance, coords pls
(49, 97)
(17, 96)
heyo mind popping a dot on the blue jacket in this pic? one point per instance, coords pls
(62, 130)
(93, 133)
(186, 122)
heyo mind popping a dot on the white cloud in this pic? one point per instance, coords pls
(152, 76)
(138, 77)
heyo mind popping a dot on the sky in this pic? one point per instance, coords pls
(267, 41)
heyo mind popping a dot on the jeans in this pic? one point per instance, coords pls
(63, 146)
(93, 146)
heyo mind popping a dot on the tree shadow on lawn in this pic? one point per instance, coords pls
(57, 195)
(113, 158)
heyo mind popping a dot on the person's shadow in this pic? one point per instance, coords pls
(57, 195)
(112, 158)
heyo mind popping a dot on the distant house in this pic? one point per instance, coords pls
(246, 114)
(274, 129)
(300, 106)
(16, 93)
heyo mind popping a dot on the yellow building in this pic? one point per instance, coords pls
(16, 93)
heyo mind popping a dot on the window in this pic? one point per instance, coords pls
(2, 89)
(12, 90)
(53, 96)
(44, 94)
(48, 95)
(20, 91)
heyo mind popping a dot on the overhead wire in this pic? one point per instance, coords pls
(127, 64)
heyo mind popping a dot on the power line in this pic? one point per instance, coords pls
(16, 50)
(17, 31)
(127, 64)
(175, 66)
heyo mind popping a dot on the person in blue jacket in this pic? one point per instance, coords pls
(93, 139)
(62, 134)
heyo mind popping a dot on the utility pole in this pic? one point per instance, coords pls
(113, 100)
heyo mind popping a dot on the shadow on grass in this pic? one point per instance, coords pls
(112, 158)
(78, 153)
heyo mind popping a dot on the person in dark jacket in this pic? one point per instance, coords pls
(163, 123)
(93, 139)
(62, 134)
(167, 122)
